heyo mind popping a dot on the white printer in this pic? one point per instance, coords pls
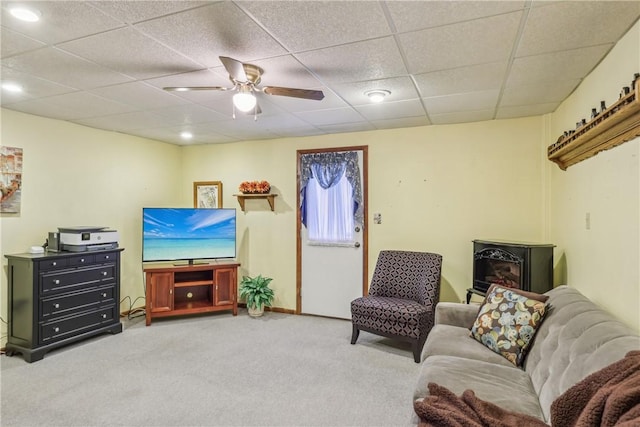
(83, 238)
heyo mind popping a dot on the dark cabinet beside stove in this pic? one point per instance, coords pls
(55, 299)
(520, 265)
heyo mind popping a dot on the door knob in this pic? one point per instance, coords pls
(357, 244)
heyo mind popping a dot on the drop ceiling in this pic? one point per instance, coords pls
(103, 64)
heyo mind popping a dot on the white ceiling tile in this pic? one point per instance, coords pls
(404, 122)
(462, 117)
(457, 52)
(139, 95)
(69, 70)
(188, 114)
(124, 122)
(40, 107)
(458, 45)
(572, 64)
(129, 52)
(392, 110)
(417, 15)
(32, 87)
(142, 10)
(526, 110)
(481, 100)
(306, 25)
(330, 117)
(206, 33)
(61, 21)
(401, 88)
(85, 104)
(462, 80)
(542, 93)
(347, 127)
(14, 43)
(565, 25)
(366, 60)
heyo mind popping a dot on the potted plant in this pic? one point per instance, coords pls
(257, 293)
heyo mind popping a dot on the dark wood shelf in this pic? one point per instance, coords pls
(617, 124)
(269, 197)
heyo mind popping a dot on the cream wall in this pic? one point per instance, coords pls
(437, 188)
(602, 262)
(74, 175)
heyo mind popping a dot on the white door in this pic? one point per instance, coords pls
(332, 275)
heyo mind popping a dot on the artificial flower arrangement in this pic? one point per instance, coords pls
(255, 187)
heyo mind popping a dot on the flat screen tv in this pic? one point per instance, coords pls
(188, 234)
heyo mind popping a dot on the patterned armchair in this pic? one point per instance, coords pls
(404, 291)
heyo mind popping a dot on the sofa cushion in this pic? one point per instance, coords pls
(447, 340)
(507, 321)
(506, 386)
(576, 339)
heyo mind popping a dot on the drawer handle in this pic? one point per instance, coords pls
(106, 257)
(104, 273)
(54, 263)
(56, 282)
(56, 305)
(104, 316)
(104, 295)
(81, 259)
(56, 329)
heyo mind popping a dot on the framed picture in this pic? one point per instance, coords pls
(207, 194)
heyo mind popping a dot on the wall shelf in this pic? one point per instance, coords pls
(269, 197)
(617, 124)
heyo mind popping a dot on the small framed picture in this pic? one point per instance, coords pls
(207, 194)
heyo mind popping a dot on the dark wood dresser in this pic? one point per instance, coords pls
(57, 298)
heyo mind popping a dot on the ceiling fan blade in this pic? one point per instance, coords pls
(235, 69)
(187, 89)
(295, 93)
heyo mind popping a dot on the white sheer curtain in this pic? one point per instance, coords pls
(330, 212)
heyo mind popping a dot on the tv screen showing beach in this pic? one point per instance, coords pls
(170, 234)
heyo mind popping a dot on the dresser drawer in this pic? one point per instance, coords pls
(73, 325)
(74, 302)
(53, 264)
(106, 257)
(81, 260)
(64, 281)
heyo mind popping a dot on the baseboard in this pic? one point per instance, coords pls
(274, 309)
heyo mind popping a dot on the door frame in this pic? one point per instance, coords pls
(365, 226)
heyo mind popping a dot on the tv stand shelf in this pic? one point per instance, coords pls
(197, 288)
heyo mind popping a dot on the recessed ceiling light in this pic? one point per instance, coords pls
(25, 14)
(186, 135)
(11, 87)
(377, 95)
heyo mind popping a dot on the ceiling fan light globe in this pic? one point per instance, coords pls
(244, 102)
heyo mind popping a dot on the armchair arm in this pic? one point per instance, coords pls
(456, 314)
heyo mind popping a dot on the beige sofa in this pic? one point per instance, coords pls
(576, 339)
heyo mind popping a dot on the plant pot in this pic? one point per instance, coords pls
(255, 312)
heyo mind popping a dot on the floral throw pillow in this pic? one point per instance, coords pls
(508, 320)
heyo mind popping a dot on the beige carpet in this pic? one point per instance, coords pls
(216, 370)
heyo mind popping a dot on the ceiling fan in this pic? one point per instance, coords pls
(245, 79)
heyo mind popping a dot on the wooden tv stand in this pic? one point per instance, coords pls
(189, 289)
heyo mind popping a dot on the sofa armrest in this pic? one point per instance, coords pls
(456, 314)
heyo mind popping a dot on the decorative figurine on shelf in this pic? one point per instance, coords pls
(594, 113)
(602, 106)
